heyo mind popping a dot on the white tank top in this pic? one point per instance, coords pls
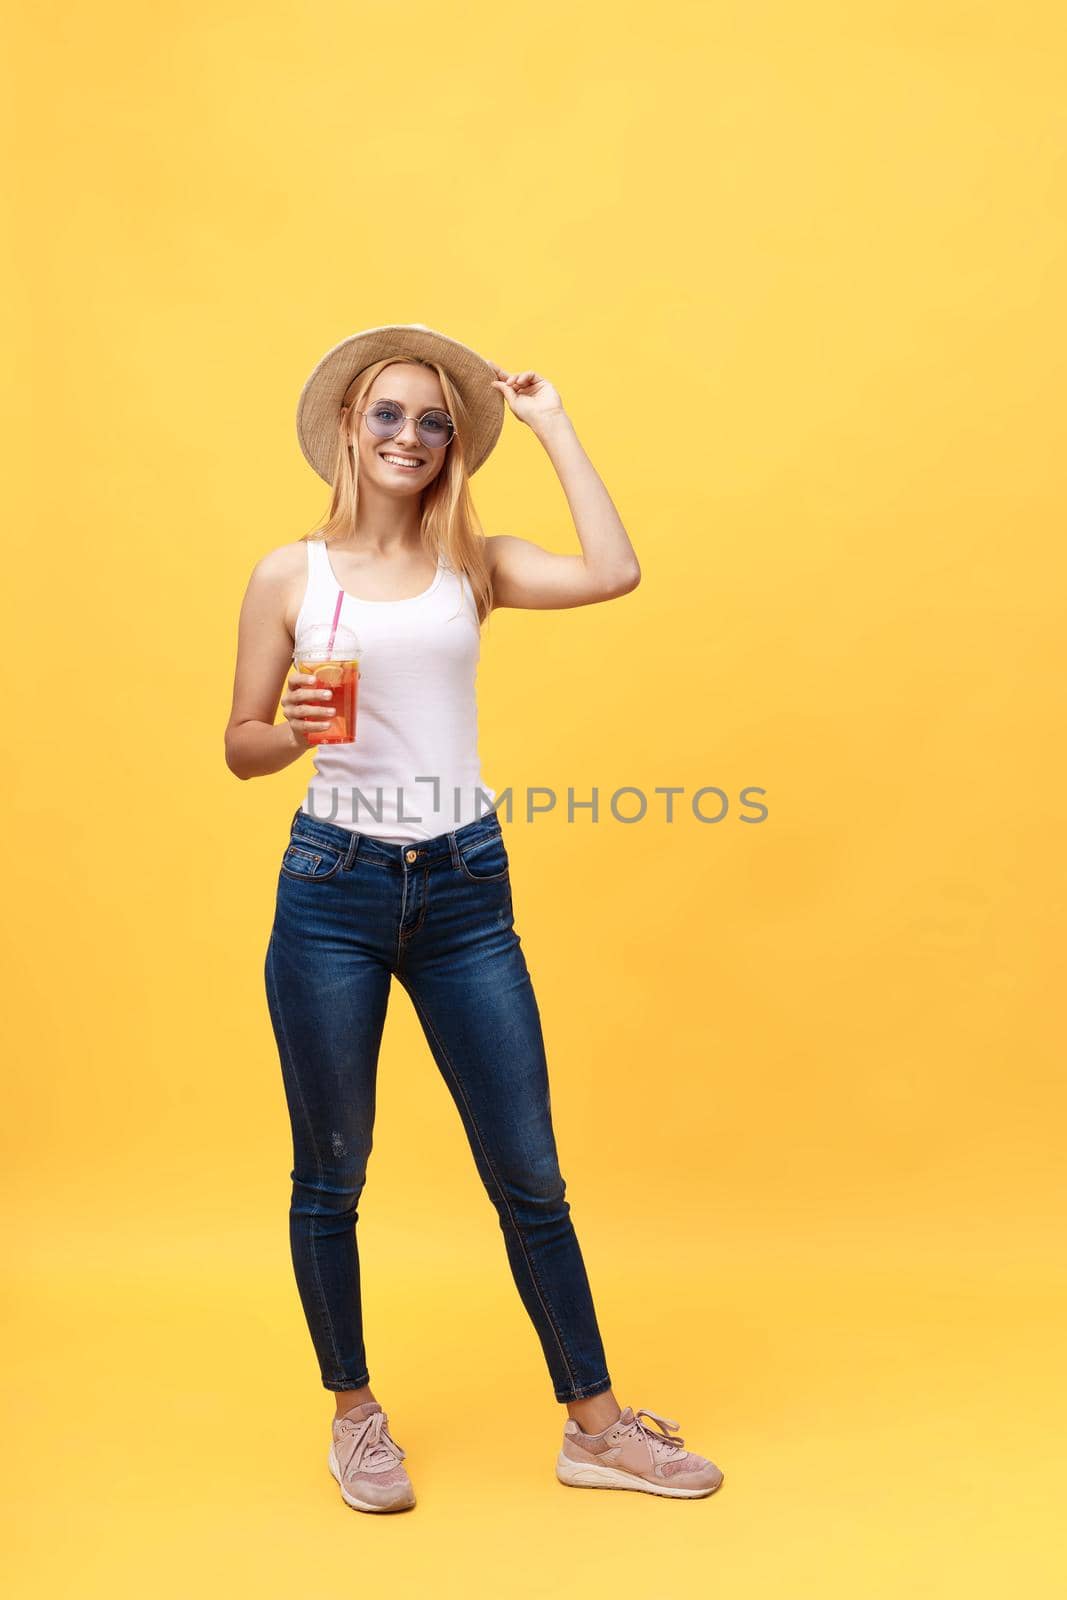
(412, 771)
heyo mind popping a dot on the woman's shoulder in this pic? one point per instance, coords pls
(279, 580)
(284, 563)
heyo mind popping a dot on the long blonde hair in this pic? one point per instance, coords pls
(450, 525)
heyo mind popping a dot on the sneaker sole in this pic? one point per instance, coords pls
(361, 1505)
(587, 1475)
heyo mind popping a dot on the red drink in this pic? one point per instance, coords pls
(342, 679)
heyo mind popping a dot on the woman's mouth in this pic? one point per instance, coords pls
(405, 463)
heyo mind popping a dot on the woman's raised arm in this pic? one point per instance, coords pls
(526, 575)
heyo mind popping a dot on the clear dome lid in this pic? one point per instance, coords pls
(313, 643)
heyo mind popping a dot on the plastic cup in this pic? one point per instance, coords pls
(336, 669)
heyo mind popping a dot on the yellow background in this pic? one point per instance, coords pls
(797, 274)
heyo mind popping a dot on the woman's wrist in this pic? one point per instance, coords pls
(293, 741)
(256, 749)
(551, 423)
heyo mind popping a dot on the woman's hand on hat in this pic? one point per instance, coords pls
(531, 397)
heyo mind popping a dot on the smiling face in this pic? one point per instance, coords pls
(402, 465)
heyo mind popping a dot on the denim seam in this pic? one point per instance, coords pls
(364, 858)
(319, 844)
(400, 925)
(482, 844)
(311, 855)
(315, 1147)
(404, 937)
(484, 877)
(503, 1192)
(301, 833)
(298, 850)
(348, 1383)
(589, 1389)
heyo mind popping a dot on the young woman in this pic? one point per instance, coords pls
(396, 864)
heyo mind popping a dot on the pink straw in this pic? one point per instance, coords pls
(333, 624)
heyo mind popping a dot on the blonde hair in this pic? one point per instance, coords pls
(450, 525)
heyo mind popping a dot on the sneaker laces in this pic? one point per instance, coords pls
(655, 1436)
(374, 1446)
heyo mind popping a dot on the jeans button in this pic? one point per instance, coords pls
(409, 855)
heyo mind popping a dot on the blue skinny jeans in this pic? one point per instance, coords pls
(352, 913)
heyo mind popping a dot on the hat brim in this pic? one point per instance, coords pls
(321, 396)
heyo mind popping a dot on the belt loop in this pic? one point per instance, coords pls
(353, 850)
(454, 847)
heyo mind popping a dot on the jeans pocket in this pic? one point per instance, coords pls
(310, 861)
(486, 861)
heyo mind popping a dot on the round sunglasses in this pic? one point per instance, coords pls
(385, 418)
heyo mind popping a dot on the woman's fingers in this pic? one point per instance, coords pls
(307, 707)
(303, 688)
(294, 709)
(516, 380)
(300, 715)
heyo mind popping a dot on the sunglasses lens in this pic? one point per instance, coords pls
(435, 429)
(384, 420)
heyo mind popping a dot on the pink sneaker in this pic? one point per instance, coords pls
(367, 1463)
(631, 1455)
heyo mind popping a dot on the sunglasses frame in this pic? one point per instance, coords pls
(430, 411)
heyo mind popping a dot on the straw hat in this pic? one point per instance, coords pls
(322, 394)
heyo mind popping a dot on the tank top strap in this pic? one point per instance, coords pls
(322, 585)
(320, 590)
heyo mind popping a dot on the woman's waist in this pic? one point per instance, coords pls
(431, 843)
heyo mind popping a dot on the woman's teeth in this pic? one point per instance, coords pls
(401, 461)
